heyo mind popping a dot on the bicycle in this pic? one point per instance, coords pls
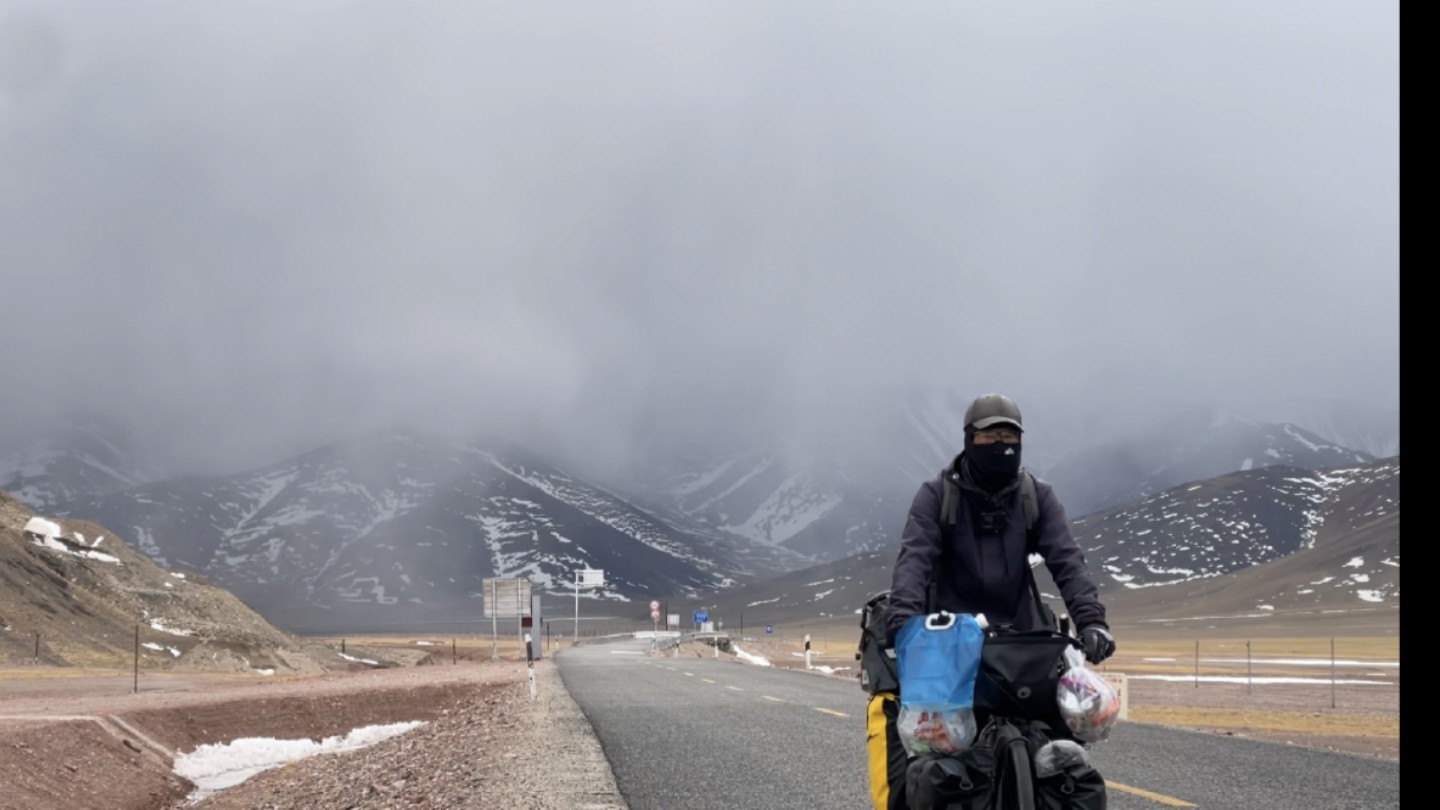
(1016, 707)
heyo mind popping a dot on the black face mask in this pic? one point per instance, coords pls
(993, 466)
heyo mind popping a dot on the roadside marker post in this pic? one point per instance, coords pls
(530, 665)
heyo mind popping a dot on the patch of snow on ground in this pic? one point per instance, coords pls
(216, 767)
(757, 660)
(157, 624)
(359, 660)
(98, 555)
(42, 527)
(150, 645)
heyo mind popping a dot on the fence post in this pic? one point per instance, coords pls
(1249, 672)
(37, 648)
(454, 654)
(137, 659)
(1197, 663)
(342, 646)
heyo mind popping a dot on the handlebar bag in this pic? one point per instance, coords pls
(1019, 674)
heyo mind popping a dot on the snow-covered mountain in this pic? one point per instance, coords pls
(1347, 563)
(413, 524)
(82, 457)
(1222, 525)
(408, 522)
(1350, 424)
(840, 487)
(832, 499)
(1263, 539)
(1186, 446)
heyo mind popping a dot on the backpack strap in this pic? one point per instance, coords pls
(949, 507)
(950, 503)
(1030, 501)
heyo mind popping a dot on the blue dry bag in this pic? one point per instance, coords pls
(939, 657)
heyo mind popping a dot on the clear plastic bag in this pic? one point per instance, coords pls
(1088, 703)
(930, 732)
(1058, 756)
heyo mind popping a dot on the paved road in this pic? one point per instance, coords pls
(705, 734)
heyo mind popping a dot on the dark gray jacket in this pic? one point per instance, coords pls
(984, 572)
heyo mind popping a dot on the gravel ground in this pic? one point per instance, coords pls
(66, 750)
(494, 749)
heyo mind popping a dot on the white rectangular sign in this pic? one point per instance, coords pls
(673, 620)
(506, 598)
(591, 577)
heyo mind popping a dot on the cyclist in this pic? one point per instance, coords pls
(974, 559)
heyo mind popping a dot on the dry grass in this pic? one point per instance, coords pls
(53, 673)
(465, 648)
(1337, 724)
(1346, 647)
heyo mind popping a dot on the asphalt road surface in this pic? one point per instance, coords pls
(706, 734)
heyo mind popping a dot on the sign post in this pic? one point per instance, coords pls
(532, 638)
(807, 651)
(589, 577)
(504, 599)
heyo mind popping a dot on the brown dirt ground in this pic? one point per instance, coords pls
(64, 750)
(71, 740)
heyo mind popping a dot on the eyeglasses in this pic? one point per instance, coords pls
(1005, 435)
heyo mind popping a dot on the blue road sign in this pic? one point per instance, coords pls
(769, 629)
(702, 616)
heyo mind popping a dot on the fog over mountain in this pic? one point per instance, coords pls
(627, 235)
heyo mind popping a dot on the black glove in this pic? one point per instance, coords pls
(1098, 643)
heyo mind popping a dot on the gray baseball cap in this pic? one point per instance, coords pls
(993, 409)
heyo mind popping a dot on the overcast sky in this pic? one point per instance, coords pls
(249, 226)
